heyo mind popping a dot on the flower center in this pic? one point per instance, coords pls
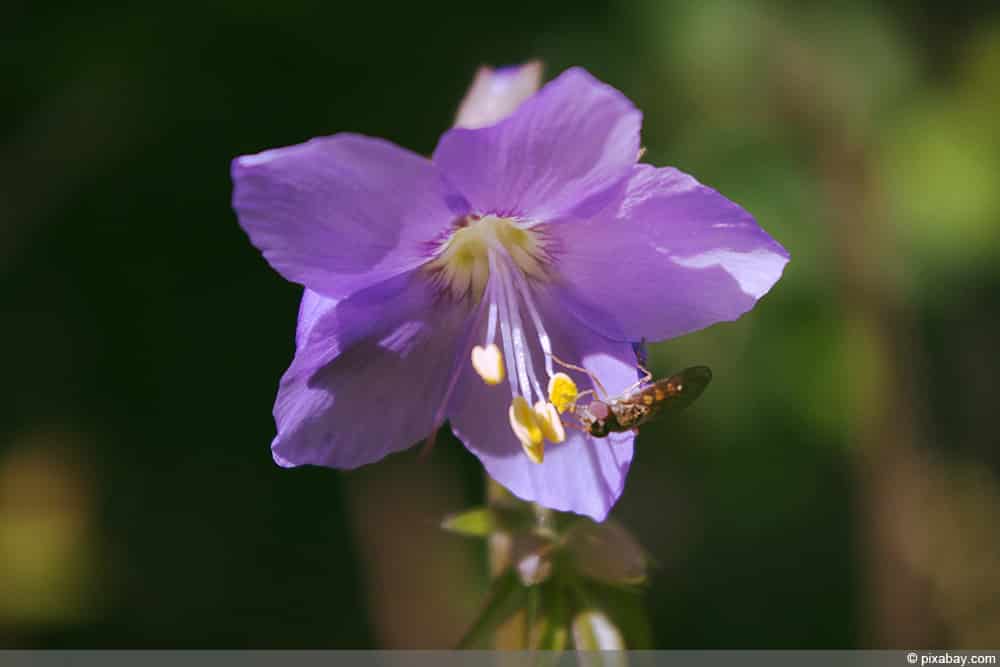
(463, 265)
(499, 262)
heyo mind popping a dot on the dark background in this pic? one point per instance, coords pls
(836, 487)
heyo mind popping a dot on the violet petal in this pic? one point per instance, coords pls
(312, 308)
(677, 257)
(585, 475)
(564, 150)
(340, 213)
(369, 376)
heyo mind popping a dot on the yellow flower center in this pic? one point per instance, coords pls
(463, 265)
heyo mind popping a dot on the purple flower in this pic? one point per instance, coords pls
(451, 287)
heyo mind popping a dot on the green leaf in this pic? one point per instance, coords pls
(554, 634)
(484, 521)
(477, 522)
(505, 598)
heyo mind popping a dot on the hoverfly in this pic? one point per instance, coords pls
(641, 403)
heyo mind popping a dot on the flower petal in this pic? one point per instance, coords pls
(495, 93)
(564, 150)
(369, 376)
(311, 310)
(583, 474)
(340, 213)
(677, 257)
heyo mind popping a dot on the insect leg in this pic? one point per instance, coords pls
(574, 421)
(575, 425)
(643, 380)
(646, 374)
(593, 378)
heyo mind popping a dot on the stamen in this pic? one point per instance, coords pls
(521, 351)
(496, 259)
(491, 322)
(549, 421)
(543, 337)
(562, 391)
(508, 274)
(524, 423)
(508, 348)
(488, 362)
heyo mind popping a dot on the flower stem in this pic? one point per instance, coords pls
(511, 635)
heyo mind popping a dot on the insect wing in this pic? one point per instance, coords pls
(677, 391)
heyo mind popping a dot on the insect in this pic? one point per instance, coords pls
(640, 403)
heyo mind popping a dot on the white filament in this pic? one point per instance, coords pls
(501, 303)
(505, 285)
(543, 338)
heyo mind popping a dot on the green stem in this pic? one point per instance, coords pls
(510, 635)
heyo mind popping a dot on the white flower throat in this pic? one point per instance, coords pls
(496, 259)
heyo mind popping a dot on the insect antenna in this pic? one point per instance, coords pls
(585, 392)
(593, 378)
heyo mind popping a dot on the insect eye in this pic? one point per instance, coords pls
(599, 409)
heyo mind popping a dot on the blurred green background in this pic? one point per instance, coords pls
(836, 487)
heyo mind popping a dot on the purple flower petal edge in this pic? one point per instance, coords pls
(567, 149)
(341, 213)
(675, 257)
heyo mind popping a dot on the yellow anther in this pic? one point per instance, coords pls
(562, 391)
(524, 423)
(548, 420)
(488, 362)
